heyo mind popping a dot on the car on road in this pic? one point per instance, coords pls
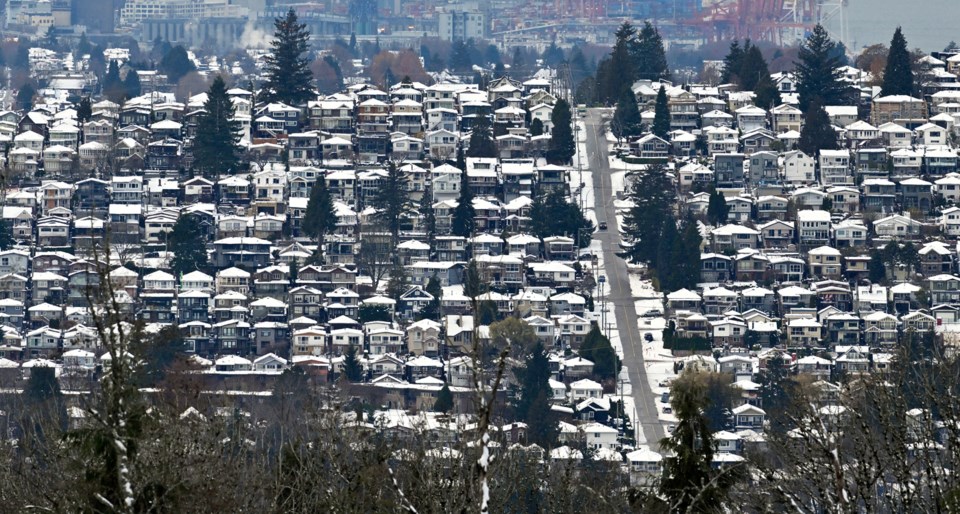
(603, 225)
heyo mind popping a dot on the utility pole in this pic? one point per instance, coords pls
(603, 306)
(576, 141)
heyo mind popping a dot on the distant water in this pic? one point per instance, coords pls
(927, 24)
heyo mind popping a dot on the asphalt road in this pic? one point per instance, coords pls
(617, 287)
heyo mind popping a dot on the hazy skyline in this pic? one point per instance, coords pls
(927, 24)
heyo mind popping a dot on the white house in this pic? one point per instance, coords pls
(599, 436)
(585, 388)
(798, 168)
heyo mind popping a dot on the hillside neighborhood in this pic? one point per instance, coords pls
(343, 245)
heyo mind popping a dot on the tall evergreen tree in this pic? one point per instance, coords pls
(652, 194)
(732, 63)
(533, 401)
(482, 143)
(131, 84)
(678, 255)
(463, 221)
(667, 246)
(392, 202)
(432, 310)
(352, 368)
(877, 268)
(84, 110)
(767, 93)
(562, 146)
(428, 218)
(176, 63)
(597, 349)
(586, 92)
(689, 483)
(159, 353)
(746, 67)
(518, 63)
(648, 54)
(292, 272)
(331, 84)
(661, 115)
(289, 79)
(579, 69)
(25, 96)
(627, 122)
(216, 147)
(473, 285)
(319, 219)
(752, 67)
(460, 56)
(687, 261)
(492, 55)
(536, 128)
(898, 75)
(817, 132)
(444, 401)
(818, 71)
(186, 242)
(552, 55)
(112, 85)
(717, 208)
(83, 46)
(44, 409)
(398, 282)
(774, 383)
(553, 215)
(618, 72)
(6, 236)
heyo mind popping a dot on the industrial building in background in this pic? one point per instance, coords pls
(508, 23)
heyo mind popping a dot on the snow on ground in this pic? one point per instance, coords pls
(616, 164)
(580, 179)
(624, 387)
(581, 131)
(657, 360)
(617, 179)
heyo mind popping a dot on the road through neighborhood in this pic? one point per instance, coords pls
(617, 287)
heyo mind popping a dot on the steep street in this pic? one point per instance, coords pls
(617, 287)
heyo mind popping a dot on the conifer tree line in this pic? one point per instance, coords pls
(818, 75)
(217, 143)
(289, 79)
(898, 76)
(635, 56)
(746, 67)
(670, 247)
